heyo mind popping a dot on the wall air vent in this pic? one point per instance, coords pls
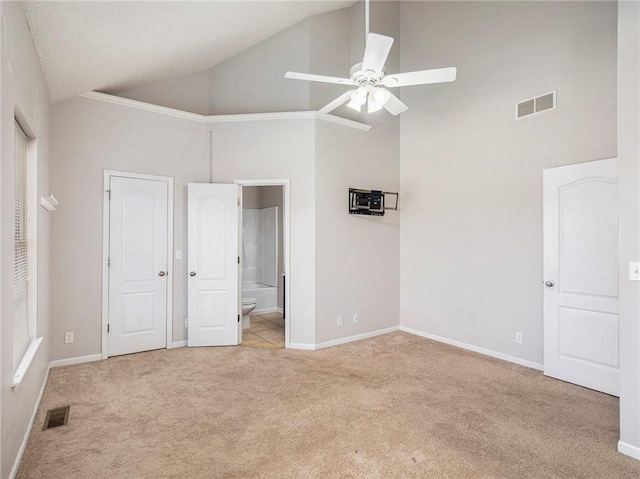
(535, 105)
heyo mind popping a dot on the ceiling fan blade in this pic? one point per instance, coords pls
(376, 52)
(423, 77)
(345, 97)
(318, 78)
(394, 105)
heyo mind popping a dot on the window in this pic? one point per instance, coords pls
(25, 259)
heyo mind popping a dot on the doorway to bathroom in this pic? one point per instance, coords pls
(264, 250)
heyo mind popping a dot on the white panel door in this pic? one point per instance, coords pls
(138, 273)
(213, 234)
(581, 275)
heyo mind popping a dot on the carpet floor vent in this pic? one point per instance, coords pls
(56, 417)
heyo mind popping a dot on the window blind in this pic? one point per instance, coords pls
(22, 336)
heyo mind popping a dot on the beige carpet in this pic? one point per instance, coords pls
(396, 406)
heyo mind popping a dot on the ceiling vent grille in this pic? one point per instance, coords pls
(531, 106)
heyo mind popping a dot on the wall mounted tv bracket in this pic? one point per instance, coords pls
(370, 202)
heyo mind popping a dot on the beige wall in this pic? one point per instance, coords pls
(89, 137)
(252, 197)
(629, 188)
(24, 95)
(252, 81)
(279, 149)
(329, 54)
(471, 175)
(357, 257)
(189, 93)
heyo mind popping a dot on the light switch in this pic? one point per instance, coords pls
(634, 271)
(178, 254)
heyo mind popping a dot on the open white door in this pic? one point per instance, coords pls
(213, 264)
(581, 275)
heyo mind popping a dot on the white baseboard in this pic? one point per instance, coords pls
(79, 360)
(265, 311)
(476, 349)
(179, 344)
(280, 310)
(23, 446)
(303, 346)
(357, 337)
(629, 450)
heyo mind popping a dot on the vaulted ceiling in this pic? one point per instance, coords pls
(117, 46)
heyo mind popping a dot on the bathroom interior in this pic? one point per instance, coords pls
(263, 314)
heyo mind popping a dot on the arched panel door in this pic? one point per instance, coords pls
(213, 265)
(581, 274)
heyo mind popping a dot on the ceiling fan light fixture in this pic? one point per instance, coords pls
(373, 105)
(380, 96)
(355, 106)
(359, 97)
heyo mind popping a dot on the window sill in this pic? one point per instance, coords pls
(26, 361)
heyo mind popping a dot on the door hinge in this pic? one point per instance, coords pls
(238, 318)
(109, 261)
(238, 201)
(108, 327)
(109, 193)
(238, 259)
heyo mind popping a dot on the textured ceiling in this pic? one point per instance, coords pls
(117, 46)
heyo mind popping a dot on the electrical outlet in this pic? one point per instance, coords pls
(178, 254)
(186, 322)
(68, 337)
(356, 318)
(518, 337)
(339, 321)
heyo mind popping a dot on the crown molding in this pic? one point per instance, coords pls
(338, 120)
(288, 115)
(140, 105)
(285, 115)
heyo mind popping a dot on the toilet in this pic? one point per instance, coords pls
(248, 305)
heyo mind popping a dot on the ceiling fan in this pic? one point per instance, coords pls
(371, 81)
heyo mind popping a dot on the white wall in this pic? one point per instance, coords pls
(260, 197)
(471, 175)
(629, 188)
(279, 149)
(24, 95)
(89, 137)
(273, 196)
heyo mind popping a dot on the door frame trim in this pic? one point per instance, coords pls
(105, 252)
(286, 243)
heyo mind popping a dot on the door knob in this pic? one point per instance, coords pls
(193, 273)
(549, 284)
(161, 273)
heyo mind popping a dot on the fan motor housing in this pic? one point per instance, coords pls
(361, 77)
